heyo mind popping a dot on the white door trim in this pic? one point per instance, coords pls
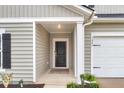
(67, 53)
(101, 34)
(2, 30)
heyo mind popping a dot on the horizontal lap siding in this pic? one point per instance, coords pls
(42, 51)
(35, 11)
(21, 50)
(109, 9)
(97, 28)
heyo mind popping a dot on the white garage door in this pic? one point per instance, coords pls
(108, 56)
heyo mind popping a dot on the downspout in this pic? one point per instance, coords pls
(90, 19)
(88, 22)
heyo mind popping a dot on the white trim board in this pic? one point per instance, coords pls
(67, 53)
(34, 52)
(42, 19)
(1, 32)
(81, 10)
(101, 34)
(108, 20)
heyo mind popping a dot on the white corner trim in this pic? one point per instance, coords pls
(34, 52)
(101, 34)
(80, 50)
(2, 30)
(67, 53)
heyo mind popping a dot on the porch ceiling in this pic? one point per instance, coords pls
(52, 27)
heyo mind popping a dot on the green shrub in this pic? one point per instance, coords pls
(88, 77)
(94, 85)
(91, 85)
(72, 85)
(91, 78)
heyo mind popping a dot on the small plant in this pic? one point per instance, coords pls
(88, 77)
(87, 81)
(6, 78)
(73, 85)
(20, 83)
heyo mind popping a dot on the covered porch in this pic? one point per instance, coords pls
(58, 45)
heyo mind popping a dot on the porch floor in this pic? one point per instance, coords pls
(56, 78)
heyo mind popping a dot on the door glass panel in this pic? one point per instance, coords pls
(60, 57)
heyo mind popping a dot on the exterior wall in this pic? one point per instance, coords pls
(97, 28)
(35, 11)
(61, 35)
(21, 50)
(42, 51)
(109, 9)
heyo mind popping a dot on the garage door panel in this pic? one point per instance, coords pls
(109, 41)
(108, 56)
(109, 52)
(110, 65)
(110, 59)
(109, 72)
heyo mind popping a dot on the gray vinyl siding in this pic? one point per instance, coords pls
(97, 28)
(35, 11)
(21, 50)
(109, 9)
(42, 51)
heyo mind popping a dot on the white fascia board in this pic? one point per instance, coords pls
(78, 9)
(83, 9)
(43, 19)
(108, 20)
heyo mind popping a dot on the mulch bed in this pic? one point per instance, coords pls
(24, 86)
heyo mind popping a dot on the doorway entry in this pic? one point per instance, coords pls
(60, 53)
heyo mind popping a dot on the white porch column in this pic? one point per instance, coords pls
(79, 50)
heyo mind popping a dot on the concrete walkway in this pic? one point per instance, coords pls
(56, 78)
(111, 82)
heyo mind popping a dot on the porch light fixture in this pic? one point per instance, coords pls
(59, 26)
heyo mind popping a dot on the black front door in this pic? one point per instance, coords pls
(60, 56)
